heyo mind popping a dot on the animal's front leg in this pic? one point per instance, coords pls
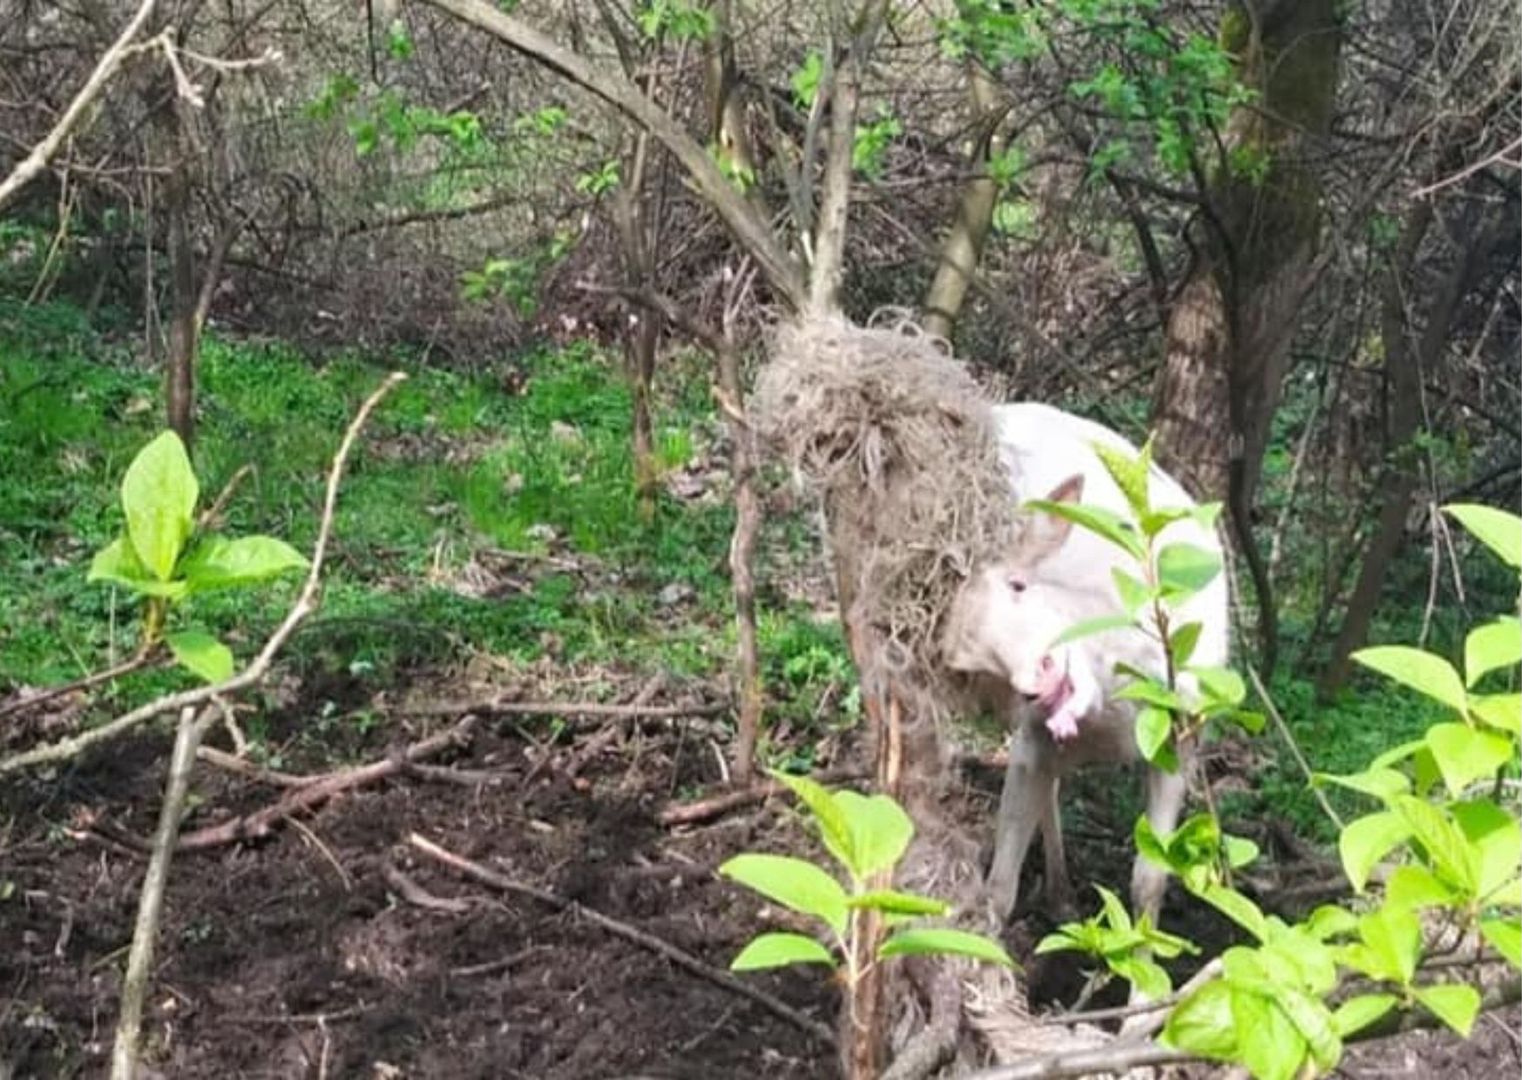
(1030, 789)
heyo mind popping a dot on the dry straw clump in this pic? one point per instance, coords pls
(898, 441)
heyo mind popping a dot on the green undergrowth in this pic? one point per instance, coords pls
(451, 468)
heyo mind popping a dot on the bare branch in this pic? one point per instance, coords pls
(43, 152)
(752, 233)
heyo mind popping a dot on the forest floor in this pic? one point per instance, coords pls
(487, 549)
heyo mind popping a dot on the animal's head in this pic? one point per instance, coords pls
(1005, 618)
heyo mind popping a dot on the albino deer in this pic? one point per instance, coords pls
(1003, 622)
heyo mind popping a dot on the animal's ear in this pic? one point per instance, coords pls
(1048, 532)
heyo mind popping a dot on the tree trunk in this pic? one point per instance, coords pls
(1229, 334)
(828, 271)
(963, 249)
(1407, 360)
(184, 330)
(742, 554)
(727, 117)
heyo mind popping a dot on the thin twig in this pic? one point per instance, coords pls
(126, 667)
(210, 515)
(629, 933)
(1294, 747)
(306, 603)
(1498, 158)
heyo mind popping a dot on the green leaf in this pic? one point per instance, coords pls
(1186, 569)
(1080, 937)
(1505, 936)
(1396, 754)
(1149, 845)
(1240, 851)
(1236, 907)
(1313, 1020)
(1155, 521)
(1420, 670)
(119, 563)
(219, 563)
(1495, 645)
(1151, 692)
(1501, 711)
(1498, 530)
(1182, 641)
(1381, 782)
(1394, 940)
(1144, 974)
(1202, 1024)
(1134, 595)
(1412, 887)
(159, 493)
(778, 950)
(1129, 473)
(899, 903)
(1447, 849)
(202, 654)
(1465, 754)
(1249, 721)
(1221, 686)
(939, 940)
(795, 884)
(1329, 921)
(1357, 1013)
(1153, 726)
(834, 829)
(1270, 1046)
(1090, 627)
(1495, 840)
(1368, 840)
(1105, 523)
(880, 831)
(1114, 911)
(1453, 1003)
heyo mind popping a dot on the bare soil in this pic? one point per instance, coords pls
(293, 957)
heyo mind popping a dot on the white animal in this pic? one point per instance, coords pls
(1003, 622)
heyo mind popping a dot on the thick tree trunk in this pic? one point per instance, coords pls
(1407, 359)
(963, 249)
(1229, 334)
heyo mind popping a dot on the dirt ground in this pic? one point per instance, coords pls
(294, 956)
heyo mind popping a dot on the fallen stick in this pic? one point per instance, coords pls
(713, 806)
(487, 876)
(589, 710)
(262, 822)
(243, 767)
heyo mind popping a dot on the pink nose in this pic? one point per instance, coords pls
(1046, 665)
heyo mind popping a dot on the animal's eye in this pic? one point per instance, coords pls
(1016, 584)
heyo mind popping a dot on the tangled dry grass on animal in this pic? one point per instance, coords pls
(898, 441)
